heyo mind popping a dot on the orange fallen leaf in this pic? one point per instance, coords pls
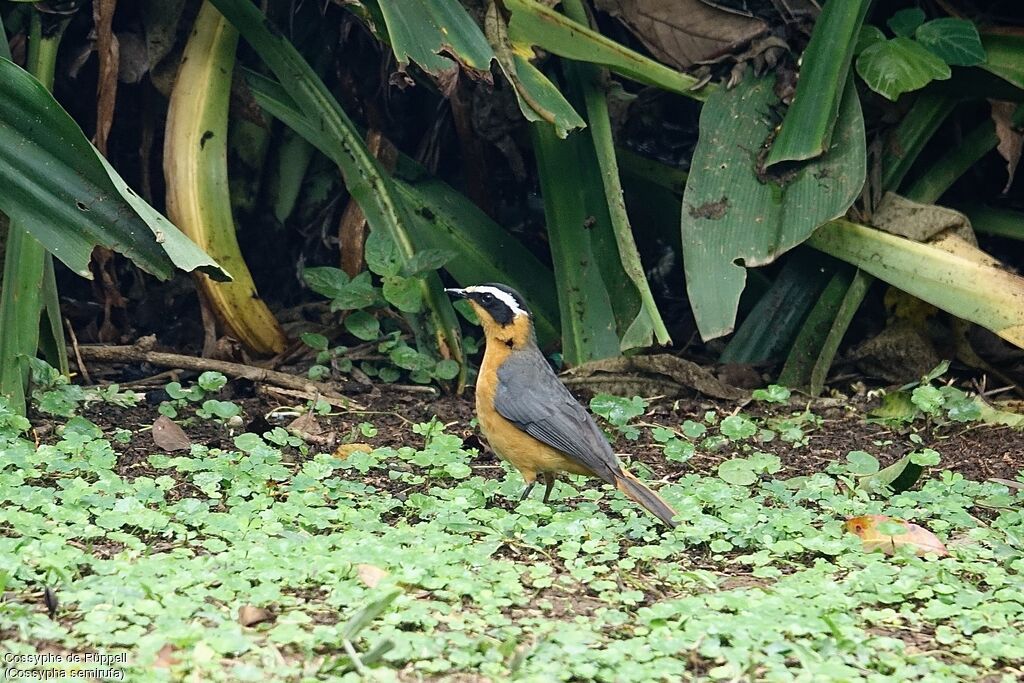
(347, 449)
(250, 616)
(369, 574)
(869, 528)
(166, 657)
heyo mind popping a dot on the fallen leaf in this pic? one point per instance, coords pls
(168, 436)
(347, 449)
(166, 658)
(370, 575)
(870, 530)
(686, 31)
(657, 374)
(1011, 140)
(305, 425)
(250, 616)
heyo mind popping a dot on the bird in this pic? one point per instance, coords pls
(528, 416)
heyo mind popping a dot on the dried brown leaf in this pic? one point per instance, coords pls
(166, 657)
(684, 32)
(1011, 140)
(250, 616)
(370, 575)
(168, 436)
(106, 83)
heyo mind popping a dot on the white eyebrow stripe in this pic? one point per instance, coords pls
(502, 296)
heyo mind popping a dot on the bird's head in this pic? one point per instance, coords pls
(503, 314)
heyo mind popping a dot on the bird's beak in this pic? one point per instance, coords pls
(457, 293)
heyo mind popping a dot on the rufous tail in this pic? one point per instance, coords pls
(633, 489)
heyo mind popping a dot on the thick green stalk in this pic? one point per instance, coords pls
(28, 282)
(648, 320)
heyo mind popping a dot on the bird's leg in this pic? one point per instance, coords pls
(526, 491)
(549, 483)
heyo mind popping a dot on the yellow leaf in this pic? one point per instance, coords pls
(915, 536)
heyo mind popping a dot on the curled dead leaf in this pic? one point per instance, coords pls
(871, 528)
(370, 575)
(168, 436)
(1011, 139)
(347, 449)
(166, 658)
(250, 616)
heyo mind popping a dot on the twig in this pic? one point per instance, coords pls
(342, 403)
(137, 354)
(78, 355)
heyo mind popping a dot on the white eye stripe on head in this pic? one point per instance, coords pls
(502, 296)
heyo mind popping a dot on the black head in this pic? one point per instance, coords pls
(500, 302)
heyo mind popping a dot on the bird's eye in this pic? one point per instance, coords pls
(486, 298)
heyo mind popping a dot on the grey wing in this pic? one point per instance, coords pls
(531, 396)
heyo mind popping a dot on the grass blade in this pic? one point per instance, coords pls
(907, 140)
(807, 128)
(943, 173)
(1005, 57)
(816, 345)
(769, 329)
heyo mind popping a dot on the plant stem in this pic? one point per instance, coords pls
(28, 280)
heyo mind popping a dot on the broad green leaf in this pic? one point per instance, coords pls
(58, 187)
(737, 471)
(868, 36)
(954, 41)
(429, 259)
(435, 33)
(1005, 57)
(325, 280)
(809, 122)
(896, 66)
(381, 254)
(362, 325)
(904, 22)
(963, 284)
(403, 293)
(733, 212)
(897, 477)
(861, 463)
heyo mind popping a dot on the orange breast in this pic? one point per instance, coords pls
(527, 454)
